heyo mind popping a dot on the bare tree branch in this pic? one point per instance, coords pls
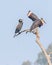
(27, 30)
(44, 51)
(34, 31)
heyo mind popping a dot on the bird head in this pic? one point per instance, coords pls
(20, 20)
(42, 20)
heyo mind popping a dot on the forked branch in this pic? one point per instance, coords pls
(35, 31)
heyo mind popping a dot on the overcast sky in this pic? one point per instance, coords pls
(13, 51)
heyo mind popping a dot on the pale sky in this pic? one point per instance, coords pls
(13, 51)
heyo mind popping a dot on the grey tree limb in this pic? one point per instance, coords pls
(36, 32)
(43, 50)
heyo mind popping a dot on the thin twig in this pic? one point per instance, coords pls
(26, 30)
(34, 31)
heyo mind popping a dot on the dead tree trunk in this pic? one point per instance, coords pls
(43, 50)
(35, 31)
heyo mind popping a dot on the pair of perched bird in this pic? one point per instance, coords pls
(36, 22)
